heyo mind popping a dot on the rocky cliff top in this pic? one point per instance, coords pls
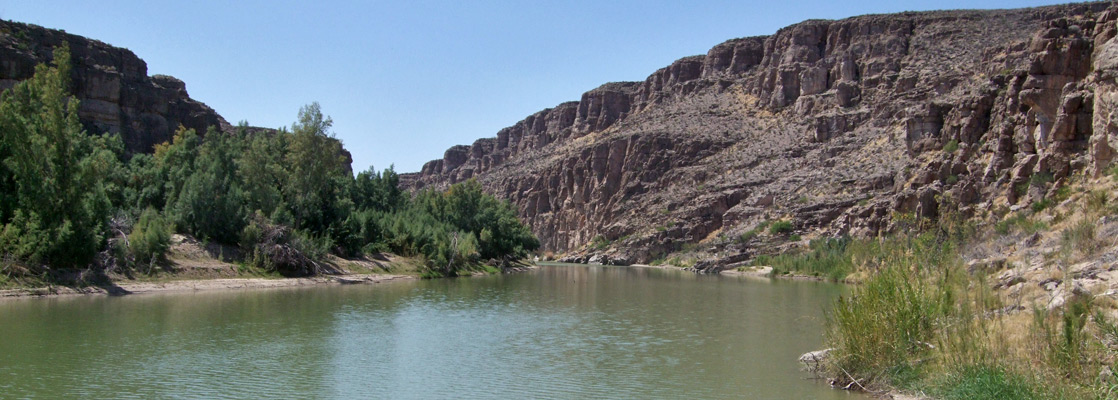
(836, 126)
(112, 84)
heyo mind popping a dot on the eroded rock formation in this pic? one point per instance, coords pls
(838, 125)
(113, 87)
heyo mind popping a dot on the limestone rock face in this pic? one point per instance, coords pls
(838, 125)
(112, 85)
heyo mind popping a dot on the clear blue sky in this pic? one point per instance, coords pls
(405, 80)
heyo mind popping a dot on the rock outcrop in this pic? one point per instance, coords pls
(837, 125)
(115, 92)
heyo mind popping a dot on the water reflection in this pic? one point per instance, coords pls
(558, 332)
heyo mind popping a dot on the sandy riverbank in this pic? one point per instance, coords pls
(191, 285)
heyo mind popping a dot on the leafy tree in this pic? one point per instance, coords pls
(377, 191)
(210, 203)
(54, 204)
(317, 172)
(174, 165)
(262, 173)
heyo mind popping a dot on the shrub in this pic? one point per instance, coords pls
(951, 146)
(1097, 200)
(1019, 222)
(150, 237)
(1039, 206)
(599, 242)
(276, 248)
(1040, 179)
(780, 227)
(1078, 239)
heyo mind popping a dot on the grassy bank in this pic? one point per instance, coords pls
(922, 320)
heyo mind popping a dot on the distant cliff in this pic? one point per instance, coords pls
(834, 125)
(112, 84)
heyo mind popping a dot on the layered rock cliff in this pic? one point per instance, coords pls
(115, 92)
(838, 126)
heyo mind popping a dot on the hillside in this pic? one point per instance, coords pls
(835, 126)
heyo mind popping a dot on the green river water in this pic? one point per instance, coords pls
(558, 332)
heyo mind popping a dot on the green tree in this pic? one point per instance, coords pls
(53, 203)
(262, 173)
(210, 203)
(318, 170)
(174, 165)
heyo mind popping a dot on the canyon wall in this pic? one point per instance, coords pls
(115, 92)
(838, 126)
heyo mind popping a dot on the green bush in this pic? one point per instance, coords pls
(599, 243)
(1041, 205)
(780, 227)
(1019, 222)
(150, 238)
(891, 321)
(951, 146)
(289, 197)
(1040, 179)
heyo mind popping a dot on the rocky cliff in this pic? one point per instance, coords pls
(113, 87)
(837, 126)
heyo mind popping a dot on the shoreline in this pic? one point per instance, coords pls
(126, 288)
(196, 285)
(763, 272)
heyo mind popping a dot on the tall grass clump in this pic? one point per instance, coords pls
(1078, 241)
(916, 296)
(888, 324)
(824, 257)
(1062, 336)
(985, 382)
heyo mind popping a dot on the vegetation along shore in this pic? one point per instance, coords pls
(958, 168)
(78, 210)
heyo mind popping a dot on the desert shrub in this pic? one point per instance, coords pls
(276, 248)
(1019, 223)
(780, 227)
(951, 146)
(1078, 240)
(150, 238)
(599, 243)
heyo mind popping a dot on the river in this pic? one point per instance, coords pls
(557, 332)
